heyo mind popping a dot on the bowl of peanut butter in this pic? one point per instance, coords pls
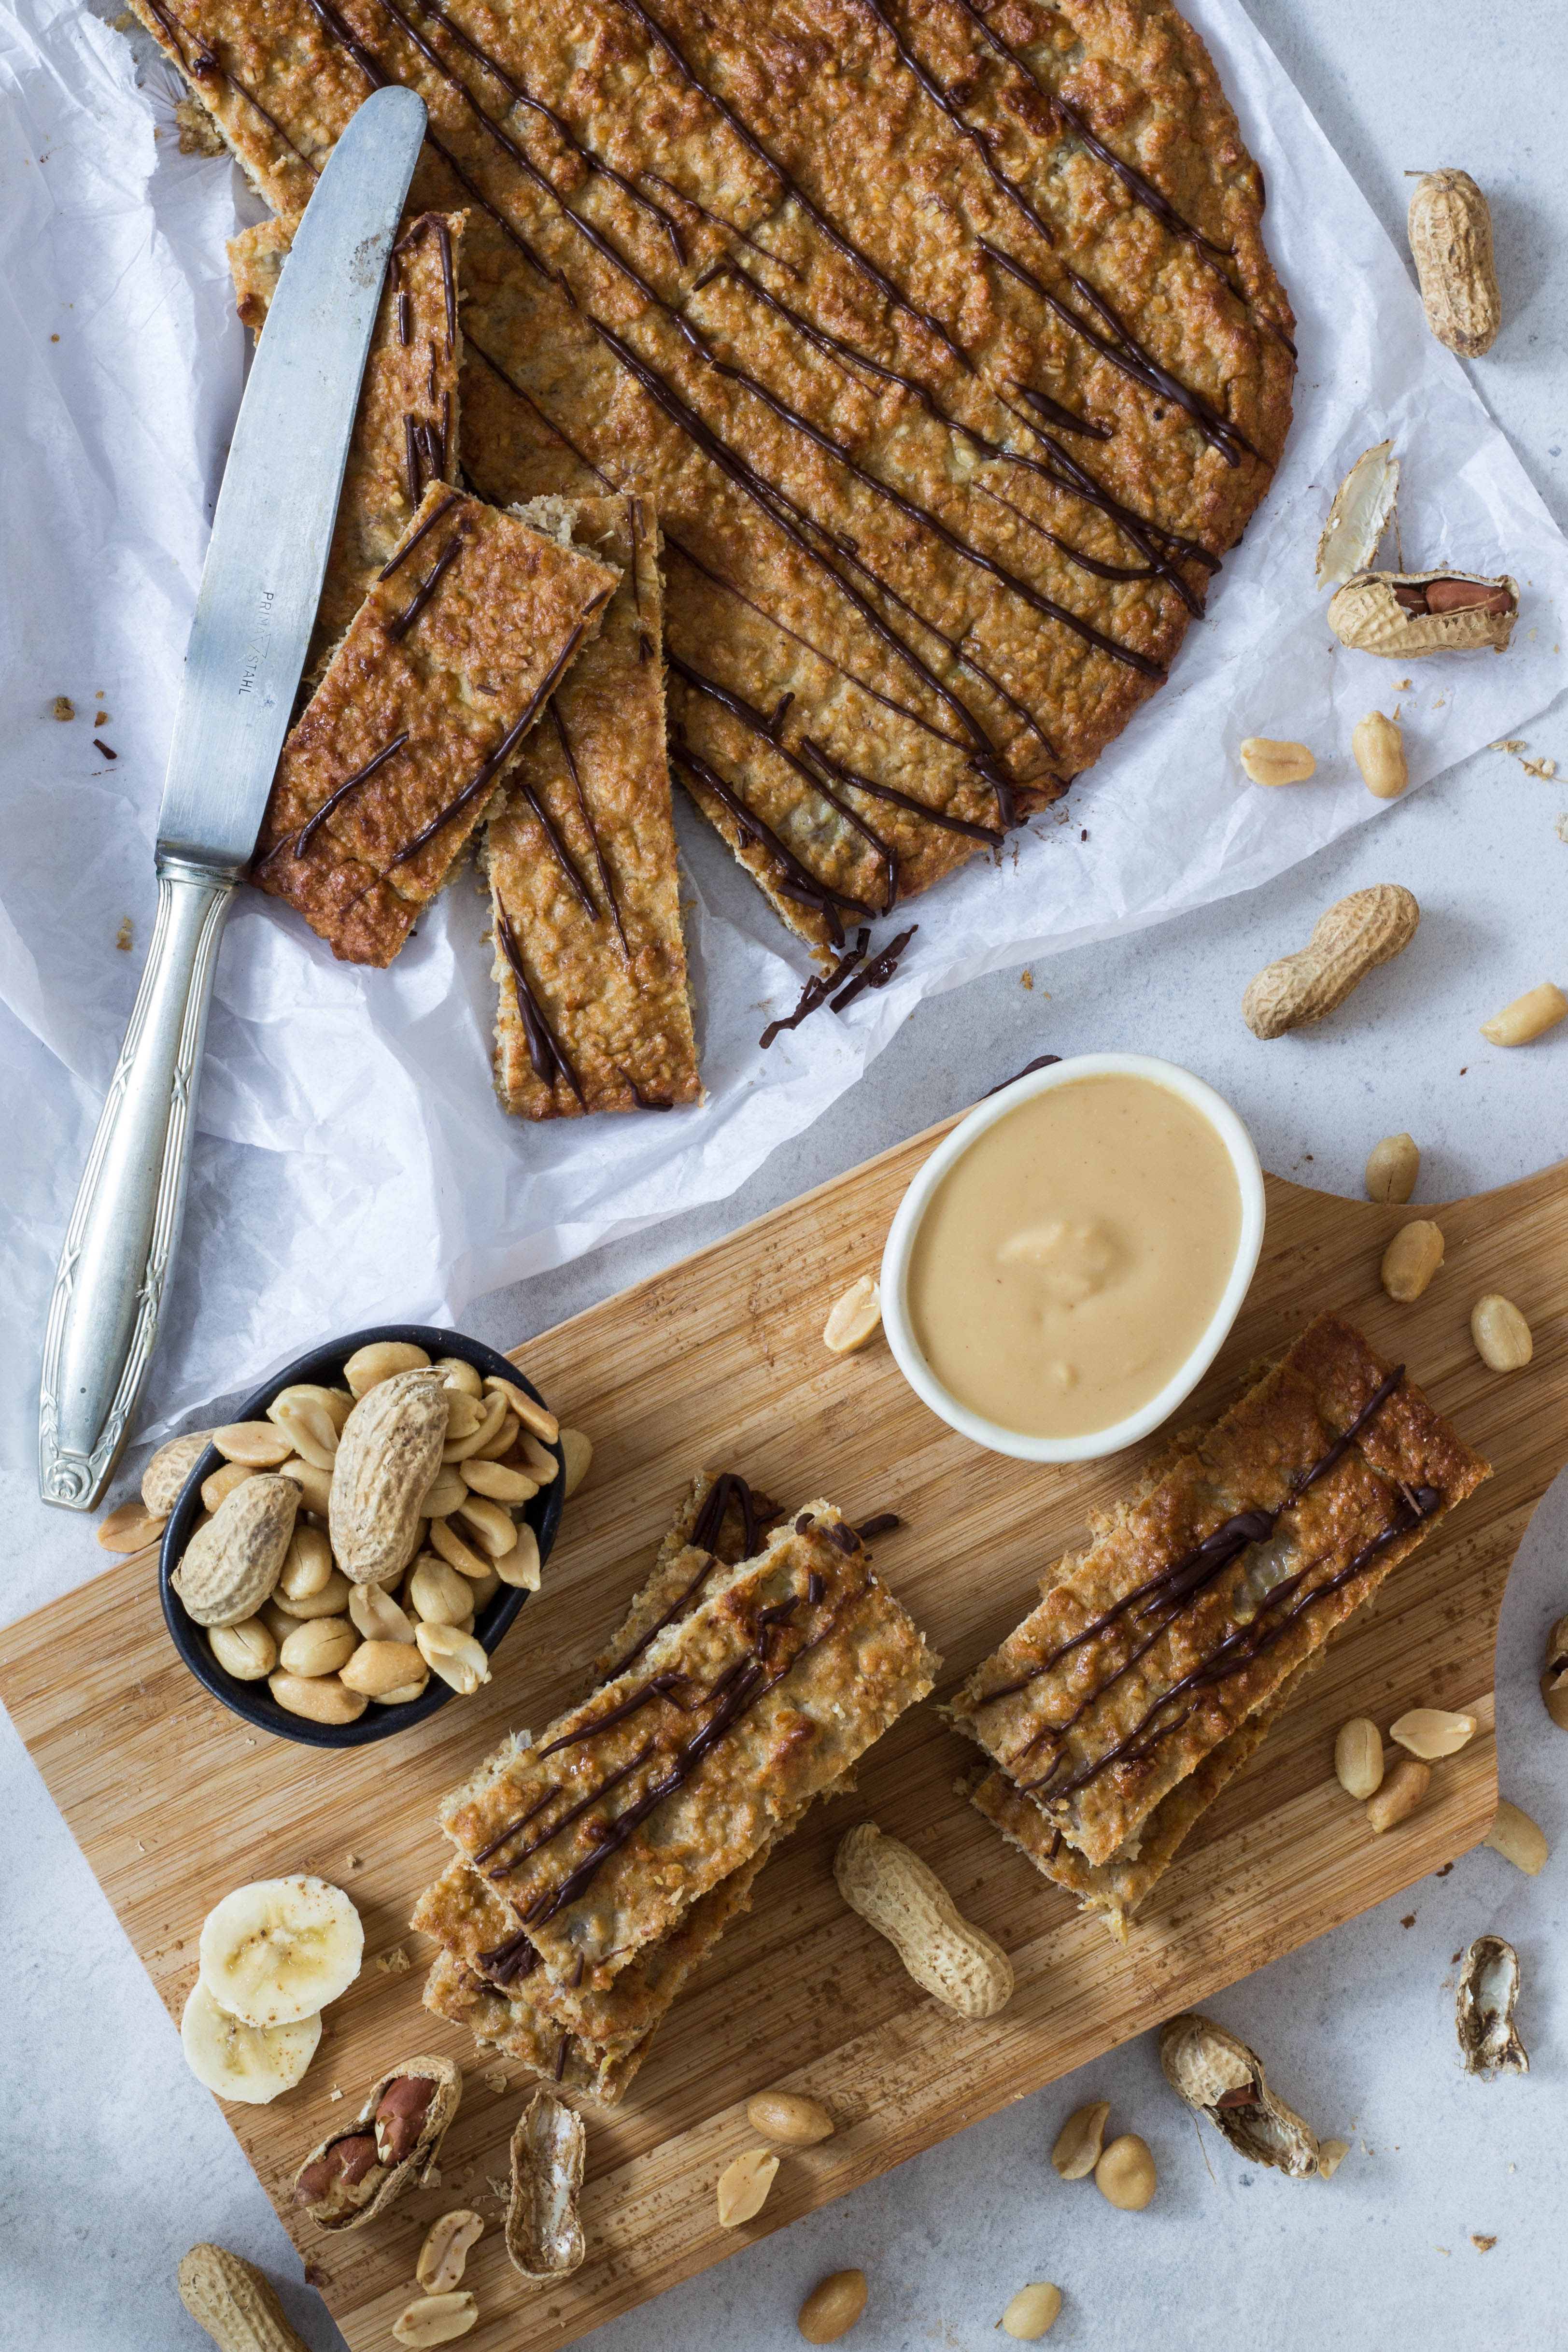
(1066, 1263)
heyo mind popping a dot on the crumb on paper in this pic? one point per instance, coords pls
(1442, 2250)
(100, 718)
(122, 941)
(394, 1963)
(1026, 977)
(1483, 2245)
(64, 707)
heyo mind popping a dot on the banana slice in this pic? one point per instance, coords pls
(246, 2063)
(280, 1949)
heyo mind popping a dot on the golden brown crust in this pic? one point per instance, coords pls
(405, 428)
(1103, 1722)
(501, 610)
(586, 816)
(517, 2031)
(596, 359)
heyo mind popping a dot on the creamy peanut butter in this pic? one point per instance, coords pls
(1070, 1261)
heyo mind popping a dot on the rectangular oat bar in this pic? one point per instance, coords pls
(593, 1010)
(668, 1778)
(1200, 1598)
(405, 427)
(448, 663)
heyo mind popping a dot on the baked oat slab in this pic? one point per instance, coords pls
(405, 427)
(447, 664)
(941, 333)
(1203, 1596)
(593, 1010)
(677, 1773)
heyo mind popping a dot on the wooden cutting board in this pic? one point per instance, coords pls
(720, 1362)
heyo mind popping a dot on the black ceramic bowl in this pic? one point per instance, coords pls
(254, 1701)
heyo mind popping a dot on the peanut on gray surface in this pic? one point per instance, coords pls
(1518, 1839)
(1411, 1259)
(1033, 2313)
(231, 1566)
(235, 2303)
(1392, 1168)
(904, 1899)
(831, 2309)
(1350, 940)
(1450, 227)
(130, 1527)
(1125, 2174)
(1080, 2140)
(1403, 1785)
(1358, 1757)
(1528, 1017)
(788, 2119)
(1483, 2009)
(1554, 1681)
(1501, 1335)
(1220, 2078)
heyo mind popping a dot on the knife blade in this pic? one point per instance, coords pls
(272, 532)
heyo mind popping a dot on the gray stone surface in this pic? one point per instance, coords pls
(112, 2161)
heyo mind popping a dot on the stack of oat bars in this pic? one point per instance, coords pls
(1157, 1659)
(598, 1862)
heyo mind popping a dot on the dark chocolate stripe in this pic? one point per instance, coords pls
(574, 879)
(816, 991)
(875, 974)
(717, 221)
(944, 100)
(204, 62)
(430, 519)
(992, 835)
(799, 883)
(307, 831)
(400, 623)
(548, 1062)
(605, 883)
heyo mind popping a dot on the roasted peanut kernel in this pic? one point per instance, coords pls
(518, 1567)
(1518, 1839)
(367, 1366)
(385, 1670)
(488, 1425)
(496, 1480)
(445, 1539)
(443, 1494)
(1080, 2140)
(457, 1374)
(259, 1444)
(247, 1651)
(1433, 1731)
(788, 2119)
(435, 2320)
(222, 1483)
(130, 1527)
(1530, 1015)
(1358, 1757)
(1392, 1168)
(308, 1421)
(437, 1593)
(331, 1601)
(743, 2187)
(1332, 2154)
(831, 2309)
(1410, 1261)
(323, 1699)
(306, 1565)
(533, 1417)
(377, 1616)
(1033, 2313)
(577, 1455)
(1379, 748)
(465, 1410)
(491, 1525)
(537, 1459)
(319, 1645)
(445, 2248)
(1125, 2174)
(854, 1317)
(1276, 764)
(1554, 1681)
(315, 1484)
(497, 1448)
(1402, 1791)
(455, 1657)
(1500, 1333)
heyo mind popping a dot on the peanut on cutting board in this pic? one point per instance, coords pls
(1403, 1785)
(1358, 1757)
(743, 2187)
(1429, 1732)
(1449, 227)
(1351, 939)
(1500, 1333)
(446, 2250)
(1528, 1017)
(899, 1895)
(788, 2119)
(237, 2306)
(854, 1317)
(1411, 1259)
(1392, 1168)
(1276, 764)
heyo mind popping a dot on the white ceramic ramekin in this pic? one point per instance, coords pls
(900, 1245)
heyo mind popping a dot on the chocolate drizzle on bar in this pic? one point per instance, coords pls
(430, 519)
(605, 883)
(400, 623)
(795, 881)
(947, 105)
(307, 833)
(545, 1055)
(203, 65)
(1178, 1582)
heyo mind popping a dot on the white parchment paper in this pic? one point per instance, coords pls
(353, 1164)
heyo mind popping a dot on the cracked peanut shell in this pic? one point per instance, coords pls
(344, 2182)
(544, 2234)
(1483, 2009)
(232, 1564)
(1220, 2078)
(388, 1456)
(1367, 615)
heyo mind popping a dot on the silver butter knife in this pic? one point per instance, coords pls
(260, 586)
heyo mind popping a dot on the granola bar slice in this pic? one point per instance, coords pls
(1199, 1599)
(640, 1800)
(405, 428)
(594, 1011)
(598, 2071)
(448, 663)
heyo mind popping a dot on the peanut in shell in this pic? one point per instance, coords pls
(1367, 616)
(232, 1564)
(388, 2172)
(387, 1458)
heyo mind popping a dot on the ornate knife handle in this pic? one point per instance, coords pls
(121, 1242)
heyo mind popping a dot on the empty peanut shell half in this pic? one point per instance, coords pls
(544, 2235)
(1223, 2080)
(358, 2170)
(1483, 2010)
